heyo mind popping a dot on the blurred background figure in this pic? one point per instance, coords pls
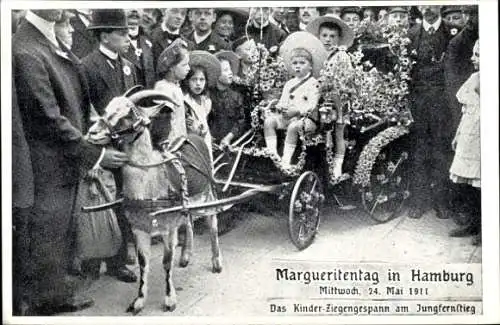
(140, 51)
(168, 31)
(453, 16)
(279, 17)
(398, 16)
(203, 38)
(17, 19)
(230, 22)
(151, 18)
(332, 11)
(64, 30)
(415, 16)
(382, 14)
(351, 16)
(307, 14)
(369, 14)
(84, 41)
(262, 31)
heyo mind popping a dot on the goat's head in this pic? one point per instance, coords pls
(126, 118)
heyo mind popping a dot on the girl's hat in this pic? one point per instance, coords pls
(108, 19)
(306, 41)
(232, 58)
(240, 41)
(346, 33)
(170, 55)
(209, 62)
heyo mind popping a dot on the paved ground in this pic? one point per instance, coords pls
(248, 249)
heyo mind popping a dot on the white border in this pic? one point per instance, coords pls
(490, 170)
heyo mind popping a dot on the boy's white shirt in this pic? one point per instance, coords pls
(305, 98)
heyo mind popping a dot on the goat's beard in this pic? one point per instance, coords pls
(160, 129)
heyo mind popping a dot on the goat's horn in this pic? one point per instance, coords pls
(133, 90)
(154, 95)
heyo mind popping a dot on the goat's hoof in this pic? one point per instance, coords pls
(169, 308)
(136, 307)
(216, 269)
(170, 303)
(183, 262)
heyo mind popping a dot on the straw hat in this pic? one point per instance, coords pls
(307, 41)
(346, 33)
(209, 62)
(170, 55)
(108, 19)
(232, 58)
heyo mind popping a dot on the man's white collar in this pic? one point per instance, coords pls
(435, 25)
(45, 27)
(198, 39)
(107, 52)
(302, 26)
(84, 20)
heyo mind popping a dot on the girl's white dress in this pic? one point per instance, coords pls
(178, 120)
(466, 166)
(200, 116)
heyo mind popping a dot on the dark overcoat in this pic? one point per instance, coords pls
(102, 85)
(144, 62)
(84, 40)
(54, 104)
(212, 43)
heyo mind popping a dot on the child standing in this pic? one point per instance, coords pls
(173, 66)
(205, 70)
(466, 166)
(297, 107)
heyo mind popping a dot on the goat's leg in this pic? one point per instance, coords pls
(187, 248)
(214, 239)
(169, 244)
(143, 245)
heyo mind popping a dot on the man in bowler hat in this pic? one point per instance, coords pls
(109, 75)
(54, 105)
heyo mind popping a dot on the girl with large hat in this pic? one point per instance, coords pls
(204, 72)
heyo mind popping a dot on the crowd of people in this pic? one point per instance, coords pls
(68, 65)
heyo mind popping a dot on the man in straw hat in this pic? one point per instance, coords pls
(109, 75)
(55, 108)
(297, 107)
(227, 119)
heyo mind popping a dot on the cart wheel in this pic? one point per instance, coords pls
(303, 218)
(389, 186)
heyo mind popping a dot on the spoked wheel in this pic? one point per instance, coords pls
(303, 218)
(388, 188)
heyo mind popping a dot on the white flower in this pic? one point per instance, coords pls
(211, 47)
(454, 31)
(138, 52)
(126, 70)
(149, 43)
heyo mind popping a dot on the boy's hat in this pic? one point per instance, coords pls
(240, 41)
(169, 55)
(346, 33)
(108, 19)
(232, 58)
(449, 9)
(209, 62)
(396, 9)
(306, 41)
(351, 10)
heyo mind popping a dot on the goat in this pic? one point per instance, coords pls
(151, 177)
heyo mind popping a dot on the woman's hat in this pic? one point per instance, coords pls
(209, 62)
(240, 41)
(306, 41)
(346, 33)
(232, 58)
(108, 19)
(170, 55)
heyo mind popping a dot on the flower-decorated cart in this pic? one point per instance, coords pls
(370, 103)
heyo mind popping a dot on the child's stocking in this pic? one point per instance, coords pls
(271, 144)
(338, 160)
(288, 151)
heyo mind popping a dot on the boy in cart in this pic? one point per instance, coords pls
(297, 108)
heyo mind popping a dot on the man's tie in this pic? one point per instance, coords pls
(431, 30)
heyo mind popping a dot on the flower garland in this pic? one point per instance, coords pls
(366, 160)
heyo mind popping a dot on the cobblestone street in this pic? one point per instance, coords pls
(246, 282)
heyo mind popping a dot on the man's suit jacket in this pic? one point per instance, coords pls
(102, 85)
(84, 41)
(212, 43)
(162, 39)
(144, 63)
(54, 104)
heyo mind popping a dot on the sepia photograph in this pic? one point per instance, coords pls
(240, 162)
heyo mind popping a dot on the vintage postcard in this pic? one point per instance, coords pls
(241, 162)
